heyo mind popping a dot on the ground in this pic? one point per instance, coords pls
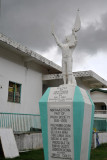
(100, 153)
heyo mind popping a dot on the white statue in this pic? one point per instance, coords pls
(67, 49)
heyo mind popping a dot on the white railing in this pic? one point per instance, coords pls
(100, 112)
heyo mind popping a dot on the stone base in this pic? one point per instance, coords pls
(66, 115)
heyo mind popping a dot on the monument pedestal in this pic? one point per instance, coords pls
(67, 114)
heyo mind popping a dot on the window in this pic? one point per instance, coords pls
(14, 92)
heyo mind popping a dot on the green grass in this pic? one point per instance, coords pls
(100, 153)
(31, 155)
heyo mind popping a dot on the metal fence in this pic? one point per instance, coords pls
(20, 122)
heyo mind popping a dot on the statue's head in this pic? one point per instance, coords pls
(70, 39)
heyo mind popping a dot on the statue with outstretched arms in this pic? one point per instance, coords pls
(67, 49)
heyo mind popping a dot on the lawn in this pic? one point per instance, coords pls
(31, 155)
(100, 153)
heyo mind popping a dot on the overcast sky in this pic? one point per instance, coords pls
(29, 23)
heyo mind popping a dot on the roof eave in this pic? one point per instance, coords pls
(24, 51)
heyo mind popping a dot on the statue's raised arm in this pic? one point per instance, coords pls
(56, 38)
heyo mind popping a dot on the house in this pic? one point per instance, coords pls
(99, 97)
(21, 87)
(24, 76)
(21, 73)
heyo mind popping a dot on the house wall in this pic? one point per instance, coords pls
(102, 138)
(99, 97)
(83, 84)
(29, 141)
(58, 82)
(13, 68)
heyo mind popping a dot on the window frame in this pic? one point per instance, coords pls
(14, 92)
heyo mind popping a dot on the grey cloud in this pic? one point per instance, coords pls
(91, 39)
(29, 22)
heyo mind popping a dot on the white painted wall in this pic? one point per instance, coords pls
(28, 141)
(99, 97)
(102, 138)
(83, 84)
(12, 69)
